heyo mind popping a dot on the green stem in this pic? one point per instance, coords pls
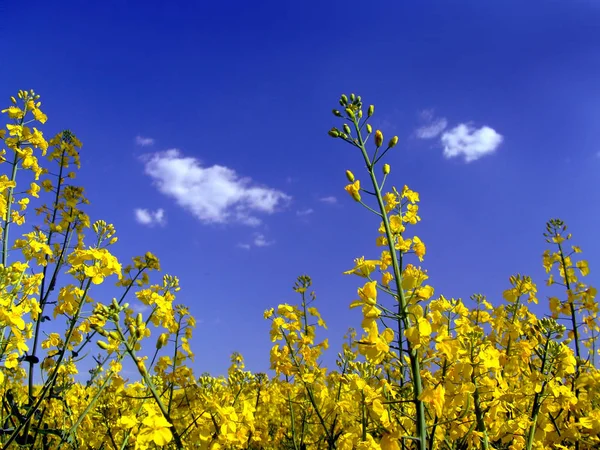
(403, 321)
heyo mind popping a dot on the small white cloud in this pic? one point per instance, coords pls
(305, 212)
(150, 218)
(431, 127)
(261, 241)
(469, 142)
(214, 194)
(144, 141)
(331, 200)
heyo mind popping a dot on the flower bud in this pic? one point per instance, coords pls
(162, 340)
(334, 133)
(13, 100)
(139, 333)
(114, 335)
(386, 169)
(352, 97)
(369, 128)
(103, 345)
(378, 138)
(393, 142)
(139, 320)
(371, 110)
(350, 113)
(344, 100)
(141, 367)
(336, 113)
(350, 176)
(360, 114)
(347, 129)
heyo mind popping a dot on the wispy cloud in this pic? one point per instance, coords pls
(470, 142)
(432, 126)
(144, 141)
(305, 212)
(214, 194)
(150, 218)
(259, 241)
(330, 199)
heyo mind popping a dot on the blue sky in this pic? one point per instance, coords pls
(174, 100)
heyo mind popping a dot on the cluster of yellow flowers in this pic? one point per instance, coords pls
(425, 373)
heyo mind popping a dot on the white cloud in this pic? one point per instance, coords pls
(144, 141)
(469, 142)
(261, 241)
(305, 212)
(214, 194)
(331, 200)
(150, 218)
(432, 129)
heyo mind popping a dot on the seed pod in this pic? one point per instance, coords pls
(378, 138)
(350, 176)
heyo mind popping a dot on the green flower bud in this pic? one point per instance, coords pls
(13, 100)
(360, 114)
(337, 113)
(103, 345)
(371, 110)
(347, 129)
(139, 320)
(369, 128)
(350, 176)
(386, 169)
(378, 138)
(393, 142)
(350, 113)
(352, 97)
(114, 335)
(334, 133)
(344, 100)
